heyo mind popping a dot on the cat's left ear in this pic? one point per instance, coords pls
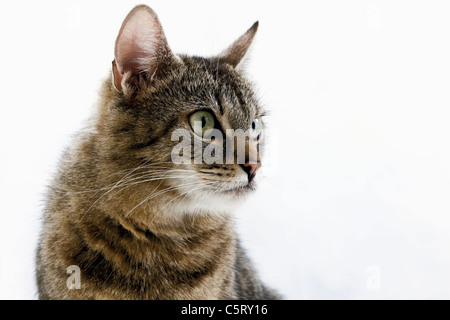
(235, 54)
(141, 52)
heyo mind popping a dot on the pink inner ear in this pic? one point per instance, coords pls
(139, 41)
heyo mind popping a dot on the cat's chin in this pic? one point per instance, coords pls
(228, 199)
(216, 198)
(213, 202)
(242, 189)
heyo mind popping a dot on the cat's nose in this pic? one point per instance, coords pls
(251, 169)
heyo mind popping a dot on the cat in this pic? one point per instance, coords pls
(124, 221)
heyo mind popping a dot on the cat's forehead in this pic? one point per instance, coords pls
(222, 89)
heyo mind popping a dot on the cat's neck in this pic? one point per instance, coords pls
(186, 233)
(176, 226)
(204, 247)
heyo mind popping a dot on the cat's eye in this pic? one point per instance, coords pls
(202, 121)
(256, 129)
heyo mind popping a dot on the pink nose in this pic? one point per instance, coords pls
(251, 169)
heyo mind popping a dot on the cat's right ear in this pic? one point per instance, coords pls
(141, 51)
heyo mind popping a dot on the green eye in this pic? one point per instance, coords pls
(256, 129)
(201, 121)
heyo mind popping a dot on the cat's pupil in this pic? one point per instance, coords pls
(253, 125)
(203, 122)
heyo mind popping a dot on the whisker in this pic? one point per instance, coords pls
(161, 192)
(125, 186)
(135, 176)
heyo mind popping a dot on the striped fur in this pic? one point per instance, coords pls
(137, 225)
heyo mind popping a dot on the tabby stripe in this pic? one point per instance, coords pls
(142, 145)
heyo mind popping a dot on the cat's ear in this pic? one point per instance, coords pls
(235, 54)
(141, 51)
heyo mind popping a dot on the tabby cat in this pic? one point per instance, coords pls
(131, 221)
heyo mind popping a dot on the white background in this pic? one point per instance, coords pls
(355, 203)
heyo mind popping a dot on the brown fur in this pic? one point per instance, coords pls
(96, 215)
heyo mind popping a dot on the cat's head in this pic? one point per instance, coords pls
(175, 124)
